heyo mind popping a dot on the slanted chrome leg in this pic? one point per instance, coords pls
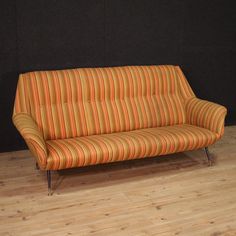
(49, 182)
(209, 158)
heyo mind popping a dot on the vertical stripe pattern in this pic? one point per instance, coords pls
(88, 101)
(96, 149)
(206, 114)
(80, 117)
(32, 136)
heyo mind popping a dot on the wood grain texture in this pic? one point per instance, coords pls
(172, 195)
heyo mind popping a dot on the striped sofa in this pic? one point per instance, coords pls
(87, 116)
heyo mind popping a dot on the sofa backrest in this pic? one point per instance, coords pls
(88, 101)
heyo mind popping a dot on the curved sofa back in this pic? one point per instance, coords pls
(88, 101)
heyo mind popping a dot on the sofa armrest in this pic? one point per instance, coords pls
(206, 114)
(32, 136)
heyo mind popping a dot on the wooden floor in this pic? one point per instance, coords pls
(172, 195)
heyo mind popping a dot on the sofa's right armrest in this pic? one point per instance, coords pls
(206, 114)
(32, 136)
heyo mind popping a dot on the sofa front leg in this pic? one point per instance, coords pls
(49, 179)
(209, 158)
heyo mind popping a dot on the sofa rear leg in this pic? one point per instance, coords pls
(49, 182)
(209, 158)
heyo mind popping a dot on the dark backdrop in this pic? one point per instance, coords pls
(199, 35)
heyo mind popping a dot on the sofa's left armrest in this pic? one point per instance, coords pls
(206, 114)
(32, 136)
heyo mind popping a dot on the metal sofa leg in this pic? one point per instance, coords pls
(209, 158)
(49, 182)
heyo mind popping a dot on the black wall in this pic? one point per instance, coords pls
(199, 35)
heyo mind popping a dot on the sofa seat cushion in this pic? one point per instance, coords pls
(96, 149)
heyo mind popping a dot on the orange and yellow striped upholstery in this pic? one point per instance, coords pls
(32, 136)
(87, 116)
(95, 149)
(206, 114)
